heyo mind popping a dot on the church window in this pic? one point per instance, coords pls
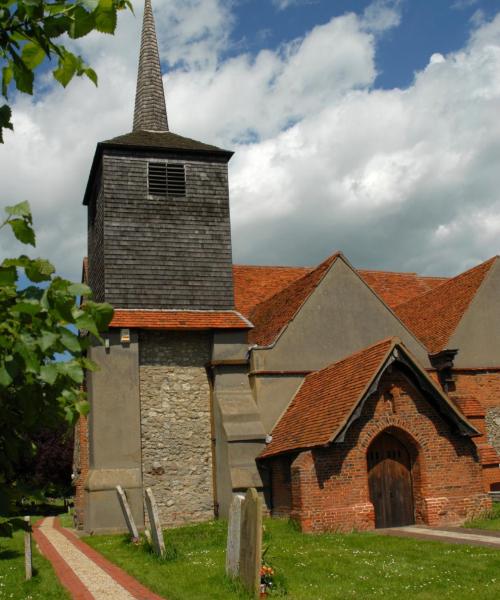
(166, 179)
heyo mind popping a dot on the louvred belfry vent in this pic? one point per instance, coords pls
(166, 179)
(176, 180)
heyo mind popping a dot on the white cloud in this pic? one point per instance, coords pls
(403, 179)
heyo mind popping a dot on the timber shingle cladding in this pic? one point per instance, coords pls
(163, 253)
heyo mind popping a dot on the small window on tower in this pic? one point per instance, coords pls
(176, 180)
(157, 178)
(166, 179)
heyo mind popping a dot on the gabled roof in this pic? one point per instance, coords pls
(272, 315)
(254, 284)
(179, 319)
(329, 400)
(162, 140)
(434, 316)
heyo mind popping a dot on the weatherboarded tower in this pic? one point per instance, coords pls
(159, 251)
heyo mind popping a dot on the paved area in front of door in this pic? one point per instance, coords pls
(451, 535)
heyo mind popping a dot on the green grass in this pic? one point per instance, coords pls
(314, 567)
(489, 521)
(66, 519)
(44, 584)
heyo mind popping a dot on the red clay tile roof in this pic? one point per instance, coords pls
(434, 316)
(325, 400)
(396, 288)
(270, 316)
(255, 284)
(179, 319)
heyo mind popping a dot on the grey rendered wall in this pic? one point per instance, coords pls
(176, 426)
(114, 436)
(340, 317)
(166, 253)
(477, 337)
(273, 394)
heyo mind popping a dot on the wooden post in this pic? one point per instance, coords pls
(28, 559)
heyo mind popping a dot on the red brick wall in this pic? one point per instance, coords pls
(329, 486)
(80, 468)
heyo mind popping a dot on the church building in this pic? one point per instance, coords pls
(348, 398)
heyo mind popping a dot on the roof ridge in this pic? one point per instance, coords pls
(325, 265)
(150, 112)
(448, 281)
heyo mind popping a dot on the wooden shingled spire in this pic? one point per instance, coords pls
(150, 112)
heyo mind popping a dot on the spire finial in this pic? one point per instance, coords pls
(150, 109)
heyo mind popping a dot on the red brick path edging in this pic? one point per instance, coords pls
(65, 574)
(71, 581)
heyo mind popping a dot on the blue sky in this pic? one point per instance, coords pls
(369, 126)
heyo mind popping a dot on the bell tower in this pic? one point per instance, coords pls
(158, 208)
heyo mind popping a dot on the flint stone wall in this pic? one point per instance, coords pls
(175, 424)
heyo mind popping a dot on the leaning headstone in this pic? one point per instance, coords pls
(251, 542)
(154, 520)
(28, 558)
(127, 513)
(234, 537)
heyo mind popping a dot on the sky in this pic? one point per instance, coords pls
(367, 126)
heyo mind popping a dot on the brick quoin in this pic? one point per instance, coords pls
(80, 468)
(326, 489)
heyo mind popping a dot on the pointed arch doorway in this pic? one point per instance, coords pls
(390, 482)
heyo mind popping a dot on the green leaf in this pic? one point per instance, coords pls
(23, 77)
(8, 276)
(79, 289)
(105, 16)
(32, 55)
(39, 270)
(68, 64)
(56, 26)
(70, 340)
(22, 209)
(7, 75)
(102, 313)
(83, 23)
(85, 322)
(47, 339)
(23, 231)
(48, 373)
(5, 378)
(72, 370)
(91, 74)
(83, 407)
(5, 122)
(30, 308)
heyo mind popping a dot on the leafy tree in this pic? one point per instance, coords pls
(29, 30)
(36, 386)
(38, 321)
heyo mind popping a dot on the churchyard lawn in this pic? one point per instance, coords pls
(312, 567)
(44, 584)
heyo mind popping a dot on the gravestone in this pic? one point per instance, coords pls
(234, 537)
(251, 542)
(154, 520)
(28, 557)
(127, 513)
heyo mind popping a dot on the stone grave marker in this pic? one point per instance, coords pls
(251, 542)
(234, 537)
(154, 520)
(127, 513)
(28, 557)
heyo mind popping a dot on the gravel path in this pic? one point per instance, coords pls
(83, 571)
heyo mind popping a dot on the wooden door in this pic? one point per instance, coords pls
(389, 481)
